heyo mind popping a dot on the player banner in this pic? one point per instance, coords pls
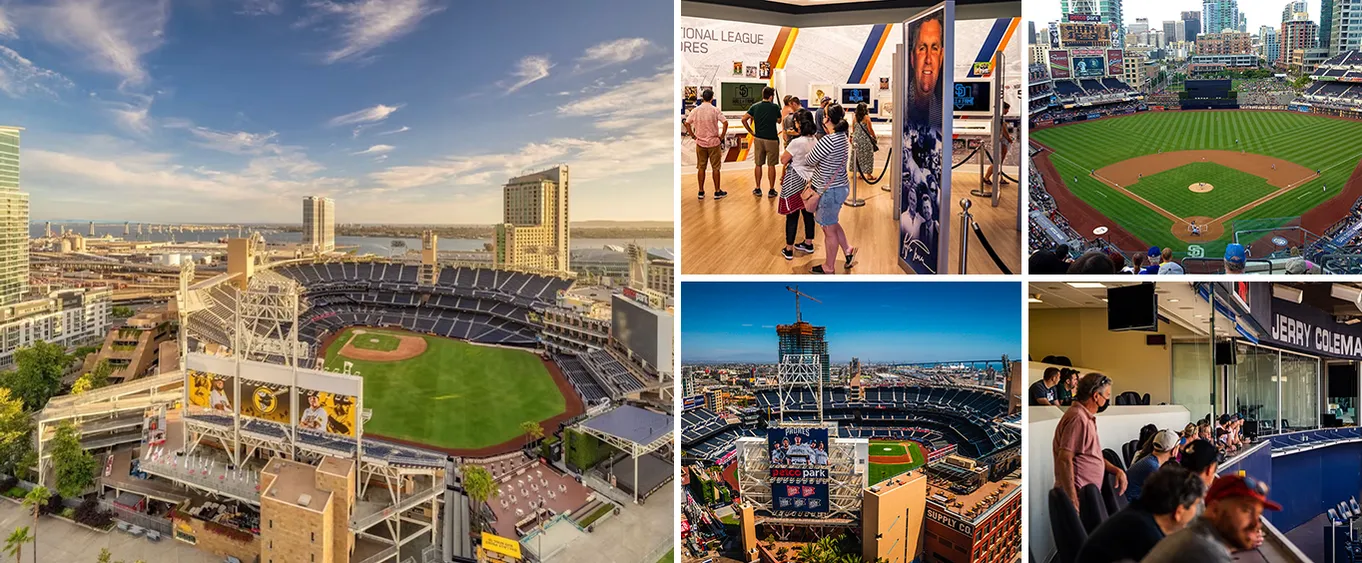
(924, 191)
(1115, 62)
(332, 413)
(797, 447)
(210, 391)
(1059, 64)
(266, 401)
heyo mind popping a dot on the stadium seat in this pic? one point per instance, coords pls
(1066, 527)
(1113, 502)
(1092, 510)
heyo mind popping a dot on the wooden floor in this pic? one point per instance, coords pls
(743, 234)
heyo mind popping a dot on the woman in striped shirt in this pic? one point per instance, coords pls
(829, 160)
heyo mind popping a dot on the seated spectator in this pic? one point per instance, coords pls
(1068, 381)
(1232, 522)
(1235, 258)
(1153, 256)
(1050, 262)
(1092, 263)
(1169, 502)
(1202, 458)
(1167, 265)
(1157, 451)
(1042, 392)
(1137, 267)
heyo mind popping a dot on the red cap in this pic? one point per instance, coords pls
(1227, 486)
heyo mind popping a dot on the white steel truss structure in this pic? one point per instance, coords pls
(796, 372)
(267, 320)
(634, 449)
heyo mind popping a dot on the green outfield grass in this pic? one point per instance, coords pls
(1232, 189)
(882, 471)
(375, 341)
(455, 394)
(1315, 142)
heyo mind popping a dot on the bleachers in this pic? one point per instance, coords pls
(581, 379)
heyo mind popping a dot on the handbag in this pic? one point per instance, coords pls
(874, 144)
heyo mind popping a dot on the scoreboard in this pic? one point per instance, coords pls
(1084, 35)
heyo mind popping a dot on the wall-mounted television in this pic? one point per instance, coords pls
(1132, 307)
(736, 97)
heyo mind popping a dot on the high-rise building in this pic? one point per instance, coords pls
(1191, 25)
(1141, 25)
(1293, 8)
(1109, 10)
(13, 221)
(1170, 31)
(534, 230)
(1269, 47)
(1343, 25)
(1030, 32)
(1296, 34)
(1225, 43)
(1326, 20)
(1243, 23)
(804, 338)
(319, 223)
(1219, 15)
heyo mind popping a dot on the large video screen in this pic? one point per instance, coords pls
(797, 447)
(1084, 35)
(636, 327)
(1089, 67)
(332, 413)
(973, 97)
(1059, 64)
(736, 97)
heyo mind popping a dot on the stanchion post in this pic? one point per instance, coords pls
(854, 201)
(964, 232)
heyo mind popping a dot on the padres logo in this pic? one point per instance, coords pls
(265, 401)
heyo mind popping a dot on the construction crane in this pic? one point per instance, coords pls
(798, 317)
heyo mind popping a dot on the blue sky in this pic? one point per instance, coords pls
(874, 321)
(405, 111)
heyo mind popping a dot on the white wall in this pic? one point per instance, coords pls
(1115, 426)
(1082, 335)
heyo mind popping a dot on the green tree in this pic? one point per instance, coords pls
(533, 431)
(121, 312)
(104, 555)
(480, 486)
(73, 467)
(38, 377)
(14, 544)
(16, 428)
(96, 378)
(35, 500)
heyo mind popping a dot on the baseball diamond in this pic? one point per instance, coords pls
(1151, 176)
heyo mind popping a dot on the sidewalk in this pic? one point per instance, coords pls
(60, 541)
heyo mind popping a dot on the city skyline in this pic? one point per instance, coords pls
(232, 112)
(1257, 13)
(873, 321)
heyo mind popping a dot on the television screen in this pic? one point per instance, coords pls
(1342, 380)
(1088, 67)
(973, 96)
(853, 96)
(1133, 307)
(736, 97)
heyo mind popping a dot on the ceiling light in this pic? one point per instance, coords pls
(1086, 285)
(1287, 293)
(1172, 300)
(1197, 316)
(1034, 298)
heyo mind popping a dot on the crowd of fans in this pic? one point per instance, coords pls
(1336, 92)
(1172, 506)
(1265, 93)
(1061, 115)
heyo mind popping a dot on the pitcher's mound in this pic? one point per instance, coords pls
(1201, 187)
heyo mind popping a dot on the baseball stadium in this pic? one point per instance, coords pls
(367, 389)
(878, 435)
(1207, 166)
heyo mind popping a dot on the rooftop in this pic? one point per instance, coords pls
(975, 506)
(293, 482)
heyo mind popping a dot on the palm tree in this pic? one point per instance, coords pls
(480, 486)
(533, 431)
(14, 544)
(35, 500)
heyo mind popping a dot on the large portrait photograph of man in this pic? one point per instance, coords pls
(925, 141)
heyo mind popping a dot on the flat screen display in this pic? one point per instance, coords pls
(1089, 67)
(853, 96)
(736, 97)
(1133, 307)
(974, 96)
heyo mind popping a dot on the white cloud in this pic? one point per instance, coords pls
(615, 52)
(529, 70)
(376, 149)
(112, 35)
(625, 105)
(260, 8)
(365, 25)
(6, 27)
(366, 115)
(133, 116)
(402, 129)
(19, 76)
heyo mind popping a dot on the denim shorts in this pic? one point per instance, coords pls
(830, 205)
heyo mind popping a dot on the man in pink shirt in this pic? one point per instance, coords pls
(706, 124)
(1077, 449)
